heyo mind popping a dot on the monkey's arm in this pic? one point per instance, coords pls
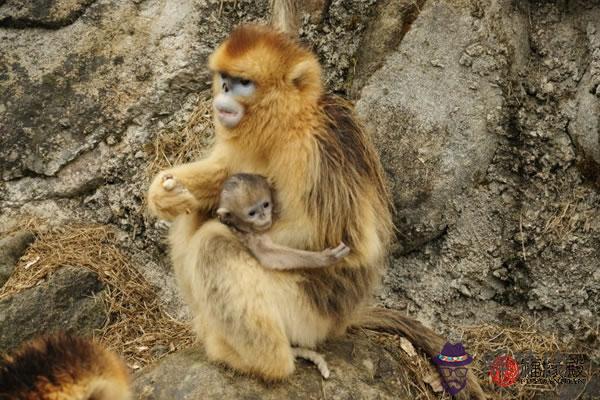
(274, 256)
(187, 188)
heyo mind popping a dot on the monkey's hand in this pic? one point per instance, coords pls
(274, 256)
(335, 254)
(168, 198)
(188, 187)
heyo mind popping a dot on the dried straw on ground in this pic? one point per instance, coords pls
(177, 146)
(137, 326)
(490, 339)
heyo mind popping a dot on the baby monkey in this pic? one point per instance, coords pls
(246, 206)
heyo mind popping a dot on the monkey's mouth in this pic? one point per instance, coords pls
(223, 113)
(263, 227)
(228, 112)
(229, 118)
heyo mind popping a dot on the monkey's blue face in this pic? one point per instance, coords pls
(228, 102)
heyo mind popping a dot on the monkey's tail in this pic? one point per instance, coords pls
(394, 322)
(63, 366)
(314, 357)
(285, 16)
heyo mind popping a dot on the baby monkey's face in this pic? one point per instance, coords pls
(246, 203)
(257, 213)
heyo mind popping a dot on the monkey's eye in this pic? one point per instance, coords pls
(266, 204)
(245, 82)
(252, 213)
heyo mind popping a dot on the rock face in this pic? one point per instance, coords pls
(48, 14)
(360, 369)
(585, 126)
(392, 20)
(85, 86)
(11, 249)
(428, 108)
(66, 301)
(64, 93)
(487, 124)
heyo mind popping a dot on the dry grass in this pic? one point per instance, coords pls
(137, 327)
(178, 146)
(563, 222)
(417, 368)
(490, 339)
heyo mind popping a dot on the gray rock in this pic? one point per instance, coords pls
(62, 93)
(526, 239)
(68, 300)
(360, 368)
(336, 37)
(585, 127)
(85, 86)
(78, 177)
(429, 114)
(383, 35)
(49, 14)
(11, 249)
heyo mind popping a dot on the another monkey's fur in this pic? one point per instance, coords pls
(330, 188)
(63, 367)
(247, 206)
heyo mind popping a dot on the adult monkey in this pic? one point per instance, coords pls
(272, 118)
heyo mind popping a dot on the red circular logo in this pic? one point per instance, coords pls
(504, 371)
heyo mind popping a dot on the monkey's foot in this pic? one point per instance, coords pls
(314, 357)
(337, 253)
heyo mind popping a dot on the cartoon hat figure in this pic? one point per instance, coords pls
(452, 362)
(453, 355)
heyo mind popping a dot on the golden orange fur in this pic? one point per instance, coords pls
(63, 367)
(330, 189)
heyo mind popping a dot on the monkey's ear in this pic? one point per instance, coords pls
(305, 74)
(223, 214)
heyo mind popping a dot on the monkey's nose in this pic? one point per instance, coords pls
(225, 87)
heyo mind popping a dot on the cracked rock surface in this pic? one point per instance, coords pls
(45, 14)
(486, 117)
(12, 248)
(359, 367)
(68, 300)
